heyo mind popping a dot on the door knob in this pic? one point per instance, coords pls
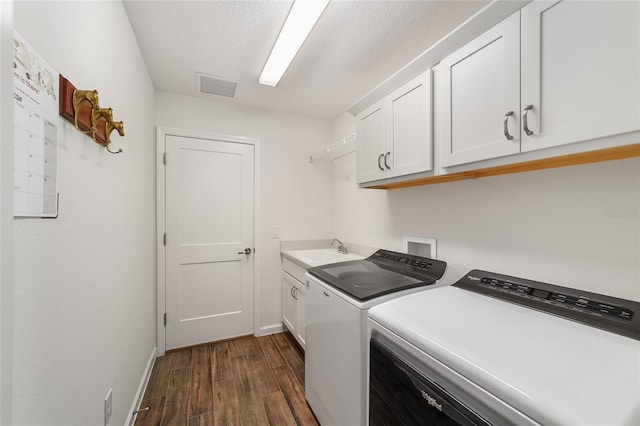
(246, 251)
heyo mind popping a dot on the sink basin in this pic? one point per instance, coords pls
(319, 257)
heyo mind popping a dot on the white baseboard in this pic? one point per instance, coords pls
(270, 329)
(144, 381)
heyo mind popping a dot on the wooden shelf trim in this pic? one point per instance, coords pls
(608, 154)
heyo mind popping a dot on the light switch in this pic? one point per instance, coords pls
(275, 231)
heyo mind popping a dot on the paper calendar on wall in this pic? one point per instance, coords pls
(35, 93)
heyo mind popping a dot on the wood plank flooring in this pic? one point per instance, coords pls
(246, 381)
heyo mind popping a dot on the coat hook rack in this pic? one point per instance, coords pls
(82, 109)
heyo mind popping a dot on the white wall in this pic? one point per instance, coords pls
(85, 282)
(293, 193)
(575, 226)
(6, 210)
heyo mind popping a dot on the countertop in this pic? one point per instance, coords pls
(288, 249)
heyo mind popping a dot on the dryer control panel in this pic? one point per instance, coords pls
(597, 310)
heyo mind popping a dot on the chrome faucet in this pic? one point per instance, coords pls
(341, 247)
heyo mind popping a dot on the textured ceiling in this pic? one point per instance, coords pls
(354, 47)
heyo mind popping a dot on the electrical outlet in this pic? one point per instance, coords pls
(108, 407)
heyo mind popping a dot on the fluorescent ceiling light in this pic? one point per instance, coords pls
(302, 17)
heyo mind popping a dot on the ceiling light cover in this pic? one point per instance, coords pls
(301, 19)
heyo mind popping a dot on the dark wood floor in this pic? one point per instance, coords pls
(247, 381)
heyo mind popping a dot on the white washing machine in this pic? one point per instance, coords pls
(337, 300)
(494, 349)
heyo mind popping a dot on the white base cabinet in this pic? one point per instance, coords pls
(289, 303)
(293, 300)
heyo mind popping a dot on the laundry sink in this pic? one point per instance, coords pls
(319, 257)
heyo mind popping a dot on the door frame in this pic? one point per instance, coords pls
(161, 134)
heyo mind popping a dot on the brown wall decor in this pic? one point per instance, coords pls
(82, 109)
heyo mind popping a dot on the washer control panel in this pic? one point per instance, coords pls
(409, 264)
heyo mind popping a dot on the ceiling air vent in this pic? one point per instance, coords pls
(210, 85)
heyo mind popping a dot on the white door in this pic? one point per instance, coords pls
(372, 143)
(580, 70)
(410, 146)
(479, 86)
(302, 315)
(289, 304)
(209, 223)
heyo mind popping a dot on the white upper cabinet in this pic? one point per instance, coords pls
(394, 135)
(410, 142)
(554, 73)
(580, 71)
(479, 97)
(372, 142)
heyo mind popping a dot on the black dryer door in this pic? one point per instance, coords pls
(401, 395)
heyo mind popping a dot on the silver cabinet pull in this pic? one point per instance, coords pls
(386, 156)
(525, 124)
(506, 125)
(380, 158)
(294, 290)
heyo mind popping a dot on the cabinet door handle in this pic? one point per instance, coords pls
(291, 291)
(380, 158)
(295, 290)
(386, 164)
(506, 125)
(525, 123)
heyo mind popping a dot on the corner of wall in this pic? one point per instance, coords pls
(6, 211)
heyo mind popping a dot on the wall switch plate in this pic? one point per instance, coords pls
(108, 407)
(275, 231)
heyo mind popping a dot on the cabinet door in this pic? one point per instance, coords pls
(409, 149)
(372, 142)
(580, 70)
(289, 304)
(480, 85)
(300, 337)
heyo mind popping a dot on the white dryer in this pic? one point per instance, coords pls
(495, 349)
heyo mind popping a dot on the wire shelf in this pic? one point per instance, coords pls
(332, 161)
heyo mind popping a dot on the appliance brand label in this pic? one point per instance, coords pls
(472, 278)
(431, 401)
